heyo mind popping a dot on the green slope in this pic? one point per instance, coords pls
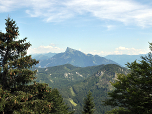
(64, 75)
(98, 84)
(74, 83)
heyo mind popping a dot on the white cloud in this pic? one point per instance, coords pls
(52, 44)
(121, 50)
(45, 49)
(125, 11)
(130, 51)
(97, 53)
(110, 27)
(118, 51)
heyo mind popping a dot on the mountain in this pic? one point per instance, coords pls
(76, 58)
(74, 83)
(119, 59)
(43, 56)
(64, 75)
(98, 84)
(123, 59)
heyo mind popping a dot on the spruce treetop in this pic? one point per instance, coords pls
(89, 105)
(16, 94)
(14, 63)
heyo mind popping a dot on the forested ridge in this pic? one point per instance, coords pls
(67, 89)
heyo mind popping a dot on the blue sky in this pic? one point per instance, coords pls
(101, 27)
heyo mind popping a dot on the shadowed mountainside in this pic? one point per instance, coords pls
(75, 58)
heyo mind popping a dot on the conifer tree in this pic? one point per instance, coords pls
(19, 93)
(58, 106)
(89, 105)
(13, 62)
(133, 92)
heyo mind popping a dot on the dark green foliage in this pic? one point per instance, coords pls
(118, 111)
(133, 91)
(89, 106)
(58, 106)
(19, 94)
(13, 62)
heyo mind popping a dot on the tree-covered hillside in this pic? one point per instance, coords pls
(99, 85)
(75, 82)
(64, 75)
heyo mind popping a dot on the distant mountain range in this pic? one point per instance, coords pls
(123, 59)
(78, 58)
(73, 57)
(43, 56)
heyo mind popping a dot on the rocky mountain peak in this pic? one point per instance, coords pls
(70, 50)
(76, 58)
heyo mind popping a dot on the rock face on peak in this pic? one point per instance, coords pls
(75, 58)
(69, 50)
(73, 51)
